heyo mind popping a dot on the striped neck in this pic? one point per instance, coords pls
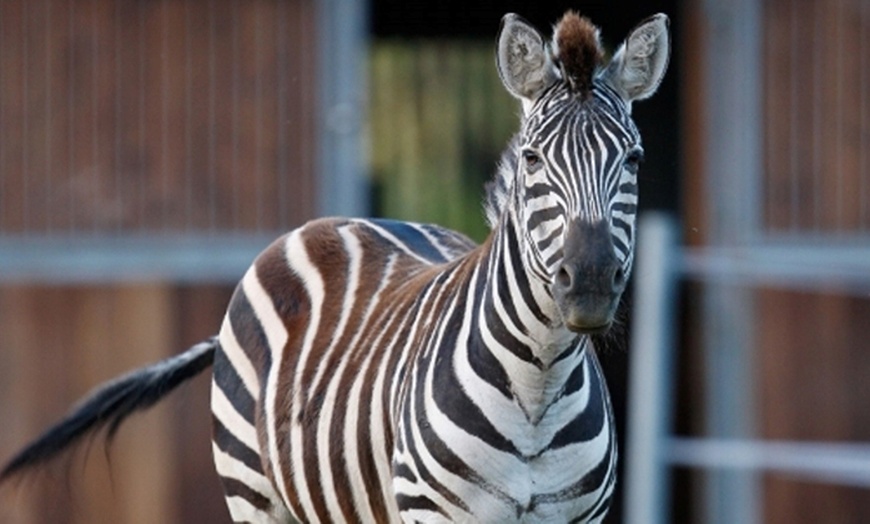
(520, 345)
(523, 287)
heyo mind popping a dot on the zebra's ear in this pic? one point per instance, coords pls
(523, 60)
(640, 62)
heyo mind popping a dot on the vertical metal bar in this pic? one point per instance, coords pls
(733, 173)
(731, 496)
(651, 373)
(733, 83)
(342, 74)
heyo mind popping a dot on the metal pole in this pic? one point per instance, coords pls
(651, 373)
(342, 100)
(733, 173)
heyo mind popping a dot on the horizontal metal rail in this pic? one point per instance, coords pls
(845, 464)
(839, 267)
(93, 260)
(835, 269)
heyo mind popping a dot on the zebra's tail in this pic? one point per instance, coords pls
(110, 404)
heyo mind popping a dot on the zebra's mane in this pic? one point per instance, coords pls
(498, 189)
(577, 51)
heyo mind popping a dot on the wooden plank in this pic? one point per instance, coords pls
(159, 116)
(12, 116)
(29, 389)
(694, 204)
(810, 349)
(810, 345)
(200, 311)
(812, 386)
(58, 345)
(816, 115)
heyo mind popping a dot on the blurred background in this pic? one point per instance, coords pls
(150, 148)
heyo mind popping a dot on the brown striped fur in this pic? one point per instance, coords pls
(327, 251)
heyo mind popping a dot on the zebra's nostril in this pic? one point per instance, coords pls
(618, 277)
(563, 278)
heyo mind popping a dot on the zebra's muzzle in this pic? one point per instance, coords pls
(589, 281)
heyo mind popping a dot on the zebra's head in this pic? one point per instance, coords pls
(569, 177)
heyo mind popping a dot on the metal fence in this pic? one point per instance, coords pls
(779, 276)
(653, 447)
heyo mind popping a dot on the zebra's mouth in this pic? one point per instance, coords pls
(589, 330)
(589, 317)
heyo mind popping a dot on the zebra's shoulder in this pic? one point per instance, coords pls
(431, 242)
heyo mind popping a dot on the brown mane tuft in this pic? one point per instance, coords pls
(578, 51)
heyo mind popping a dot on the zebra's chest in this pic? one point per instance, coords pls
(476, 455)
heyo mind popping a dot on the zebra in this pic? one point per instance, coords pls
(371, 370)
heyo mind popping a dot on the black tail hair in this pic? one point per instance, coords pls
(110, 404)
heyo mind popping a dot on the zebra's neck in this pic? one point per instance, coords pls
(520, 339)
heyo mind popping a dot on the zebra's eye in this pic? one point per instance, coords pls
(532, 160)
(633, 160)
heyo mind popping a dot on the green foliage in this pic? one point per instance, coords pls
(440, 119)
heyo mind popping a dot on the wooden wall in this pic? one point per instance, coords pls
(158, 116)
(813, 376)
(58, 343)
(138, 117)
(813, 360)
(817, 104)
